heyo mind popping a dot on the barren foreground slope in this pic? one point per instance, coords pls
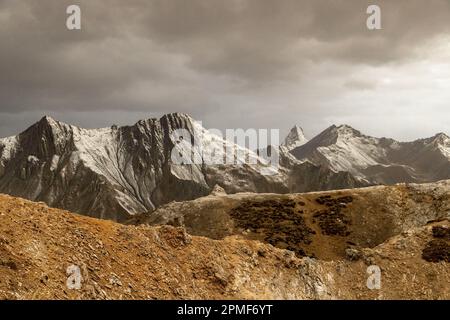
(38, 244)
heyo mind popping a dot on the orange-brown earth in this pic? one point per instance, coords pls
(38, 244)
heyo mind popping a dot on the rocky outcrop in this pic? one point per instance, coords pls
(322, 225)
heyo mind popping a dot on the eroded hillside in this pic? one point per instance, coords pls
(325, 225)
(38, 245)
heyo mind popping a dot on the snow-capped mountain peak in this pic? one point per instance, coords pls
(48, 119)
(442, 142)
(295, 138)
(347, 130)
(441, 138)
(115, 172)
(378, 160)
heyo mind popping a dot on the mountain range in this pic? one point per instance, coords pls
(378, 160)
(117, 172)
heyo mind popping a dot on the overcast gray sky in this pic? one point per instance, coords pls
(229, 63)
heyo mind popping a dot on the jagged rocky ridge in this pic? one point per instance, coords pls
(116, 172)
(378, 160)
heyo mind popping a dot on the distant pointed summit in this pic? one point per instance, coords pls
(295, 138)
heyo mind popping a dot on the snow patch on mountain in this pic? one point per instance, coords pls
(352, 151)
(97, 149)
(54, 162)
(213, 149)
(443, 144)
(7, 147)
(33, 159)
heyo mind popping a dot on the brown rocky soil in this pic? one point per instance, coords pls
(38, 244)
(438, 249)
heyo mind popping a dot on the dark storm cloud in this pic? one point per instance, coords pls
(274, 59)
